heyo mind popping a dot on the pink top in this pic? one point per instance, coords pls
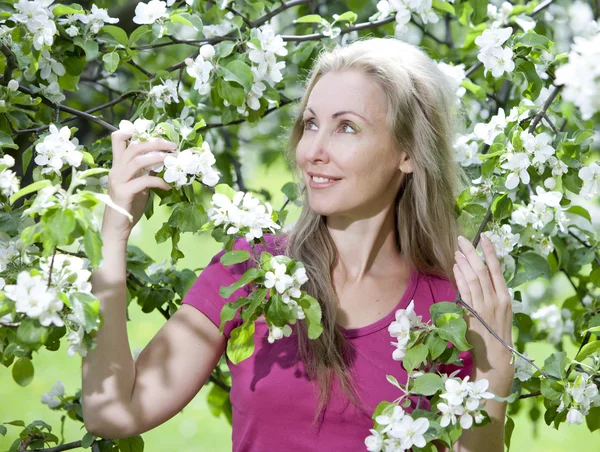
(273, 400)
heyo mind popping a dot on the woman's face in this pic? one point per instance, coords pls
(346, 138)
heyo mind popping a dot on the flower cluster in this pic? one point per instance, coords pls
(456, 75)
(69, 273)
(464, 401)
(164, 93)
(466, 150)
(288, 286)
(266, 46)
(92, 22)
(400, 431)
(581, 75)
(58, 148)
(488, 132)
(9, 183)
(504, 241)
(578, 398)
(554, 321)
(406, 319)
(242, 214)
(51, 398)
(200, 68)
(37, 17)
(544, 208)
(182, 167)
(404, 10)
(494, 57)
(34, 298)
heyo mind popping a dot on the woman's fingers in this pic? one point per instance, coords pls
(462, 285)
(495, 270)
(475, 272)
(141, 147)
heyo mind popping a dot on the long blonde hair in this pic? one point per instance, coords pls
(420, 112)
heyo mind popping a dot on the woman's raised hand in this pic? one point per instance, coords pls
(126, 186)
(483, 288)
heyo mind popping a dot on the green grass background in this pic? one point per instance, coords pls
(195, 429)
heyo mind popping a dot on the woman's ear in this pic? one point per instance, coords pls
(406, 163)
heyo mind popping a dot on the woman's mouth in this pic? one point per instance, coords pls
(322, 182)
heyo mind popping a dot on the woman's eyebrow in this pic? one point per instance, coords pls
(339, 113)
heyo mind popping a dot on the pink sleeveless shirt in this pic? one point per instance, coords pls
(272, 398)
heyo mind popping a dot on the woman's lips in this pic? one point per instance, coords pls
(329, 183)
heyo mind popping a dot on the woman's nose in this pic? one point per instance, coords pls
(318, 148)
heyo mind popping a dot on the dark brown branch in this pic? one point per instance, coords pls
(11, 64)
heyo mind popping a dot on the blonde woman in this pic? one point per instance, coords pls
(371, 149)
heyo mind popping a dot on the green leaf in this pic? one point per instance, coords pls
(180, 19)
(502, 207)
(111, 61)
(427, 384)
(309, 19)
(240, 345)
(90, 47)
(138, 33)
(593, 419)
(92, 243)
(250, 275)
(555, 365)
(228, 311)
(436, 345)
(235, 257)
(118, 33)
(393, 381)
(6, 141)
(349, 16)
(22, 371)
(290, 189)
(453, 328)
(61, 10)
(31, 332)
(414, 357)
(479, 10)
(587, 350)
(133, 444)
(239, 72)
(581, 211)
(532, 39)
(444, 307)
(312, 313)
(30, 189)
(509, 427)
(226, 190)
(534, 266)
(443, 6)
(3, 430)
(87, 440)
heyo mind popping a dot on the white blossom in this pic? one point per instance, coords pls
(56, 149)
(13, 85)
(183, 167)
(149, 13)
(165, 93)
(241, 215)
(139, 130)
(517, 164)
(581, 75)
(590, 175)
(51, 398)
(199, 69)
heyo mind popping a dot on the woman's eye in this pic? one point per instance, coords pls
(305, 124)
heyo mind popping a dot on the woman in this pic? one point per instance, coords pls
(371, 147)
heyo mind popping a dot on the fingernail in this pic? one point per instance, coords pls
(461, 239)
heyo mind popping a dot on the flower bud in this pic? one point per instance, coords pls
(13, 85)
(207, 51)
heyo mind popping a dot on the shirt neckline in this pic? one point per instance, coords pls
(386, 320)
